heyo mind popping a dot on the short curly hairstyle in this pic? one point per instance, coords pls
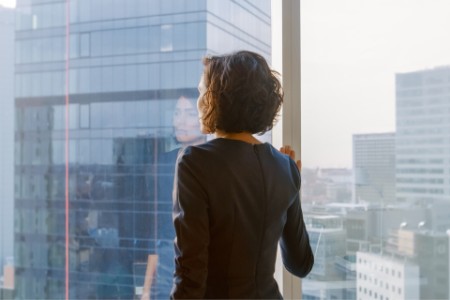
(242, 94)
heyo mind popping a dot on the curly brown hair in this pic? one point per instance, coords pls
(242, 93)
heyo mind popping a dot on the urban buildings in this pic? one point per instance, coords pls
(422, 144)
(7, 146)
(130, 61)
(384, 278)
(374, 167)
(327, 239)
(415, 265)
(327, 185)
(429, 251)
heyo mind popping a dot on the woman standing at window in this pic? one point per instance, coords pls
(235, 197)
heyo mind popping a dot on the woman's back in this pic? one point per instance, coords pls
(236, 201)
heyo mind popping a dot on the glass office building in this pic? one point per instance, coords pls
(129, 64)
(7, 137)
(423, 147)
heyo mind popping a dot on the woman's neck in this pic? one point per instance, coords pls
(240, 136)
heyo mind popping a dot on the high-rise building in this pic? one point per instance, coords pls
(374, 167)
(422, 143)
(7, 136)
(130, 62)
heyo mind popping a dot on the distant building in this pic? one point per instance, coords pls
(327, 239)
(430, 252)
(338, 184)
(321, 186)
(422, 145)
(7, 136)
(385, 278)
(374, 167)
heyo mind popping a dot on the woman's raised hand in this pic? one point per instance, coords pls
(288, 150)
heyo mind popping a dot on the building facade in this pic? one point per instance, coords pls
(383, 278)
(374, 167)
(130, 62)
(327, 238)
(7, 135)
(423, 130)
(430, 252)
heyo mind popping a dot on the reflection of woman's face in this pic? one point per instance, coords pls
(185, 122)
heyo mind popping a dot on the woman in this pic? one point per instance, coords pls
(160, 265)
(235, 197)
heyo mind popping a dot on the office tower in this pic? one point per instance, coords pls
(130, 62)
(374, 167)
(384, 277)
(7, 138)
(423, 128)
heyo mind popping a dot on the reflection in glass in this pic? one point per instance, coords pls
(134, 70)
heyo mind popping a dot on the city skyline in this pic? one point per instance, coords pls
(350, 59)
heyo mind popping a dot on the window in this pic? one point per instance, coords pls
(132, 65)
(85, 44)
(382, 162)
(166, 38)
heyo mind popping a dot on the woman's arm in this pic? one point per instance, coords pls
(150, 273)
(191, 222)
(296, 251)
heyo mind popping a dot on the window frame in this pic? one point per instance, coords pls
(288, 129)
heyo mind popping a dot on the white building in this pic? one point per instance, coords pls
(6, 135)
(423, 131)
(385, 278)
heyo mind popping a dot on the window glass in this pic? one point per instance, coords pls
(373, 146)
(133, 74)
(85, 44)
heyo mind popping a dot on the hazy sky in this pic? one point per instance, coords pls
(8, 3)
(351, 51)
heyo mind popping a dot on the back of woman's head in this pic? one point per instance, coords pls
(242, 93)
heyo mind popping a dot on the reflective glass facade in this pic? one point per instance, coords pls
(130, 64)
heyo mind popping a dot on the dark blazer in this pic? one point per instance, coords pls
(234, 202)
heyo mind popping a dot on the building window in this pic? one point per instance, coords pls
(166, 38)
(85, 44)
(84, 116)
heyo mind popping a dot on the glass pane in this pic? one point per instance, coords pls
(104, 162)
(375, 148)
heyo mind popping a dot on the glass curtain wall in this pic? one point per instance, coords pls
(105, 94)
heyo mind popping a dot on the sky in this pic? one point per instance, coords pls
(8, 3)
(350, 53)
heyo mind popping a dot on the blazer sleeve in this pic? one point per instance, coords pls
(296, 252)
(191, 223)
